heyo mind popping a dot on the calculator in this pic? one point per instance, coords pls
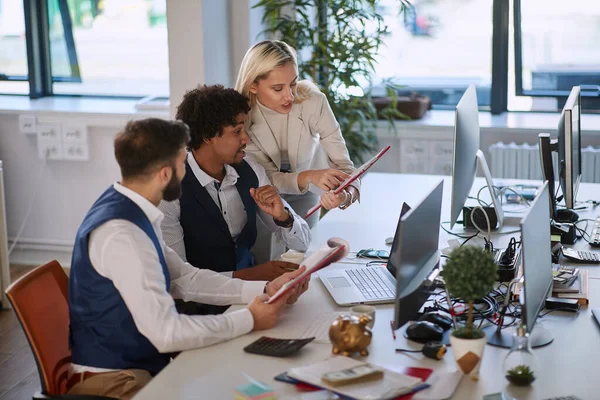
(276, 347)
(582, 255)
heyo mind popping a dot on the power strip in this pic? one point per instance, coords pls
(507, 263)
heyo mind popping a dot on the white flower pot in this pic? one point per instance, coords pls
(468, 354)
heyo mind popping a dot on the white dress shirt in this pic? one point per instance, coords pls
(228, 199)
(120, 251)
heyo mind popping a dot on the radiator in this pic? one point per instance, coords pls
(522, 161)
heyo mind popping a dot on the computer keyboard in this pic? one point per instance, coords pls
(581, 255)
(595, 235)
(319, 327)
(372, 284)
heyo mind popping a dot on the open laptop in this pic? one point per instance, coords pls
(417, 235)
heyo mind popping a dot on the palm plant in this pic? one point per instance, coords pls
(343, 38)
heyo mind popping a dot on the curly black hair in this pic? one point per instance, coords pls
(209, 109)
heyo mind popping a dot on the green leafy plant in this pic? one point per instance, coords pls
(342, 37)
(521, 375)
(469, 274)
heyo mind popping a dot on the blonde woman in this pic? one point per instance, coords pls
(293, 132)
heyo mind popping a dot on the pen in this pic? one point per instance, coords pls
(392, 327)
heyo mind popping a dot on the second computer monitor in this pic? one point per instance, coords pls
(466, 144)
(537, 263)
(467, 156)
(569, 147)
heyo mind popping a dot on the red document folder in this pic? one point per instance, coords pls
(357, 174)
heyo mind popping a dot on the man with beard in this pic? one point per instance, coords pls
(213, 224)
(123, 321)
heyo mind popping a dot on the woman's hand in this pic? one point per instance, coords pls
(331, 200)
(327, 179)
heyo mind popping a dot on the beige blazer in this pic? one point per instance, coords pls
(314, 142)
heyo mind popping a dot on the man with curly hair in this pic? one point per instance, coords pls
(213, 224)
(123, 324)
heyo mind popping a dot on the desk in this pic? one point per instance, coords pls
(570, 364)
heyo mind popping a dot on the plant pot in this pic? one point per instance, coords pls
(468, 353)
(413, 106)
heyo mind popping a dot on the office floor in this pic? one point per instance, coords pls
(18, 373)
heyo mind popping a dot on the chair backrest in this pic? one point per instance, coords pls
(40, 302)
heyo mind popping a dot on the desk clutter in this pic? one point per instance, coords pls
(569, 282)
(360, 380)
(388, 382)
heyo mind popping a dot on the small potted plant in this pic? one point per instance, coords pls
(470, 274)
(521, 375)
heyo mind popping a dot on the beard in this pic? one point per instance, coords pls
(173, 189)
(235, 161)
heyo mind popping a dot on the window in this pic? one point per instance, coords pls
(438, 48)
(109, 47)
(13, 51)
(556, 48)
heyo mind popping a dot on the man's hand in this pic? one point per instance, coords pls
(331, 200)
(265, 272)
(267, 199)
(275, 285)
(328, 179)
(266, 315)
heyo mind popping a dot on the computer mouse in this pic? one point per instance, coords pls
(440, 320)
(424, 331)
(389, 240)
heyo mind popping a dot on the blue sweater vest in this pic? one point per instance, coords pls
(208, 242)
(102, 332)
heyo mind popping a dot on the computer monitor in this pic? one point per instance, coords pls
(568, 147)
(415, 254)
(467, 156)
(537, 265)
(537, 273)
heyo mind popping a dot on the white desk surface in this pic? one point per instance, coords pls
(568, 366)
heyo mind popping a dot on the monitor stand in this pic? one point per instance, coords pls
(500, 338)
(496, 203)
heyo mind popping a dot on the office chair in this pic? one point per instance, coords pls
(40, 301)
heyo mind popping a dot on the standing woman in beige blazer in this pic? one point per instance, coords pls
(293, 132)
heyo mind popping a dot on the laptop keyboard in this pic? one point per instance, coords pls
(372, 283)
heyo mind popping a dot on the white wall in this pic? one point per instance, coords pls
(65, 192)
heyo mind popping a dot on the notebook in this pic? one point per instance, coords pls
(334, 250)
(393, 384)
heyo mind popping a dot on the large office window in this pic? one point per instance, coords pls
(556, 48)
(439, 47)
(13, 52)
(109, 47)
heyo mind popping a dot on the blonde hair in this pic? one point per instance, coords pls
(260, 60)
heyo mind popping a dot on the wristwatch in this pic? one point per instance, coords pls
(288, 223)
(347, 200)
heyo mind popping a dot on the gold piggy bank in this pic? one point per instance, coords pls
(350, 334)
